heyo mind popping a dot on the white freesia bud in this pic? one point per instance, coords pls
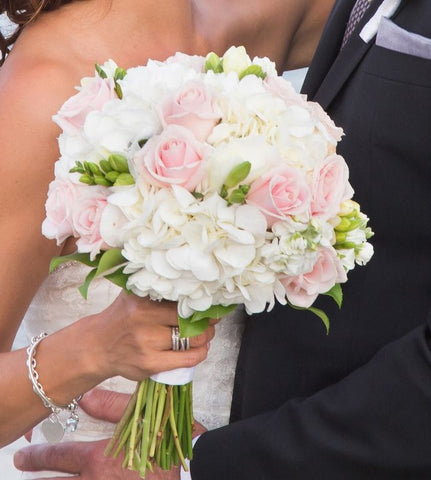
(365, 254)
(236, 60)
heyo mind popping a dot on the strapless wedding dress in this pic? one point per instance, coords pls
(58, 303)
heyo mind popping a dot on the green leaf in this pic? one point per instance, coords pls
(215, 311)
(118, 278)
(237, 174)
(77, 257)
(198, 322)
(336, 293)
(192, 329)
(322, 315)
(253, 70)
(100, 71)
(110, 259)
(213, 62)
(83, 289)
(317, 311)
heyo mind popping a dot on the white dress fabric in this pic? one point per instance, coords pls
(58, 303)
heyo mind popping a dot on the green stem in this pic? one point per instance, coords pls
(146, 428)
(125, 419)
(136, 417)
(158, 419)
(175, 433)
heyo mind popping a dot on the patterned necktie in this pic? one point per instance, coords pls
(357, 13)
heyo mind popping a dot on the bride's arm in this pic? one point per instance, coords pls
(131, 338)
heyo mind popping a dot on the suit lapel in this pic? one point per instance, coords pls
(343, 63)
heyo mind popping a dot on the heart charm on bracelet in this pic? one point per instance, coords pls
(52, 429)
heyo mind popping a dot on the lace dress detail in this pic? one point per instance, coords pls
(58, 303)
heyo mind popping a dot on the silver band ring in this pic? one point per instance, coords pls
(184, 343)
(179, 343)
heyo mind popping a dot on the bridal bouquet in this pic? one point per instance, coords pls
(209, 182)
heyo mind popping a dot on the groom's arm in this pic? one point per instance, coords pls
(374, 424)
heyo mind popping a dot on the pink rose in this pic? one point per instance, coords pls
(281, 192)
(174, 157)
(86, 216)
(303, 289)
(62, 195)
(282, 88)
(196, 62)
(330, 186)
(192, 107)
(92, 95)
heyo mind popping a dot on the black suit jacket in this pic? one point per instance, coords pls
(354, 404)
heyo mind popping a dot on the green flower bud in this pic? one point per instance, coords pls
(213, 62)
(112, 176)
(86, 179)
(119, 74)
(124, 179)
(253, 70)
(119, 163)
(99, 180)
(94, 168)
(237, 174)
(343, 226)
(105, 166)
(340, 237)
(244, 189)
(100, 71)
(236, 197)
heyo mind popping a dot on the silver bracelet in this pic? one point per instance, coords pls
(53, 428)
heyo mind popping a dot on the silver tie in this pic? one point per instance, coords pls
(357, 13)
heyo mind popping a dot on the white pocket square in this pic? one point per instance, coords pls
(395, 38)
(386, 9)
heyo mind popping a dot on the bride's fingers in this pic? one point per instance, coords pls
(172, 360)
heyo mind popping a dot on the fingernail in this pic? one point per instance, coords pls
(208, 345)
(18, 460)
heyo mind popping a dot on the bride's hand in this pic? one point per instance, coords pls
(132, 338)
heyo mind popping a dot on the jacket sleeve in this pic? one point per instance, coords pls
(373, 424)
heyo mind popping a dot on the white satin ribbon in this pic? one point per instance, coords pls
(386, 9)
(179, 376)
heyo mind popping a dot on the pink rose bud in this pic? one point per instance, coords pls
(330, 186)
(302, 290)
(93, 94)
(174, 157)
(280, 193)
(192, 107)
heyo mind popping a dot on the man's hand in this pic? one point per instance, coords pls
(87, 458)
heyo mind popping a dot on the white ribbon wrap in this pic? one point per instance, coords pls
(179, 376)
